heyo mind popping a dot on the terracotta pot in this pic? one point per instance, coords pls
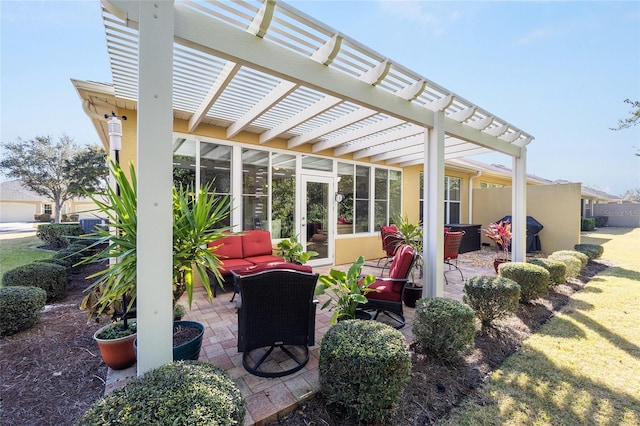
(498, 262)
(117, 353)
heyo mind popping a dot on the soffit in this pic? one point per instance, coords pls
(361, 103)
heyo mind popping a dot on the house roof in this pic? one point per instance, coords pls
(14, 190)
(288, 76)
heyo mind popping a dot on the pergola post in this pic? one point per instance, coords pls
(433, 214)
(519, 207)
(155, 228)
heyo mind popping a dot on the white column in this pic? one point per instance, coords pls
(155, 228)
(433, 219)
(519, 207)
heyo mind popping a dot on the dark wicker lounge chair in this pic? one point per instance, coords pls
(278, 311)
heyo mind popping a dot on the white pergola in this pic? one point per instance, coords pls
(264, 67)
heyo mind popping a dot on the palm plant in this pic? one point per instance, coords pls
(195, 217)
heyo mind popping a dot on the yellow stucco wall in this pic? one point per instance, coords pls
(556, 207)
(348, 249)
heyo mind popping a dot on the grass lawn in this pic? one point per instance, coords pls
(583, 367)
(20, 251)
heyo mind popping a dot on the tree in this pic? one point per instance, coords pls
(59, 171)
(632, 120)
(632, 195)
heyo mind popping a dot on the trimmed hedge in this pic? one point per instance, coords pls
(20, 308)
(588, 224)
(71, 255)
(179, 393)
(364, 368)
(54, 234)
(53, 260)
(48, 276)
(444, 327)
(533, 279)
(557, 270)
(572, 263)
(593, 251)
(491, 297)
(584, 259)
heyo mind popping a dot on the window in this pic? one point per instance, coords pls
(381, 203)
(255, 184)
(395, 193)
(47, 209)
(283, 195)
(362, 199)
(451, 199)
(345, 207)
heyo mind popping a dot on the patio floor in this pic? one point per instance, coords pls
(267, 398)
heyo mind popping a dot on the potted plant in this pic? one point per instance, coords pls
(293, 251)
(500, 234)
(115, 342)
(412, 235)
(349, 290)
(195, 217)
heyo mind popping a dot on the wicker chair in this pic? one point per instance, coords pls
(388, 298)
(278, 311)
(452, 241)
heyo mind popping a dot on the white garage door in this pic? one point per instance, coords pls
(17, 212)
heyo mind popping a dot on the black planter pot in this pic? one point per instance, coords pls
(411, 295)
(188, 350)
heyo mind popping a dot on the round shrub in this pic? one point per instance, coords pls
(72, 256)
(20, 308)
(572, 263)
(593, 251)
(584, 259)
(533, 279)
(179, 393)
(60, 262)
(491, 297)
(444, 327)
(557, 270)
(48, 276)
(364, 368)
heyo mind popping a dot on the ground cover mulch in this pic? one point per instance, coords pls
(435, 388)
(53, 372)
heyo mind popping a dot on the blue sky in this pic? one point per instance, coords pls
(558, 70)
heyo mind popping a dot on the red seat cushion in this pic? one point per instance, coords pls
(388, 290)
(228, 247)
(267, 258)
(273, 265)
(228, 265)
(402, 261)
(256, 243)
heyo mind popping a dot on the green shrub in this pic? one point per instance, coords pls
(533, 279)
(444, 327)
(491, 297)
(54, 234)
(48, 276)
(179, 393)
(572, 263)
(20, 308)
(55, 261)
(557, 270)
(42, 217)
(588, 224)
(584, 259)
(593, 251)
(364, 368)
(70, 255)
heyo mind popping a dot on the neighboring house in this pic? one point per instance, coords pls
(20, 204)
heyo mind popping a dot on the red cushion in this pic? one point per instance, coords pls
(268, 258)
(229, 265)
(228, 247)
(273, 265)
(391, 229)
(256, 243)
(388, 290)
(400, 267)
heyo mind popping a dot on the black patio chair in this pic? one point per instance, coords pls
(278, 311)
